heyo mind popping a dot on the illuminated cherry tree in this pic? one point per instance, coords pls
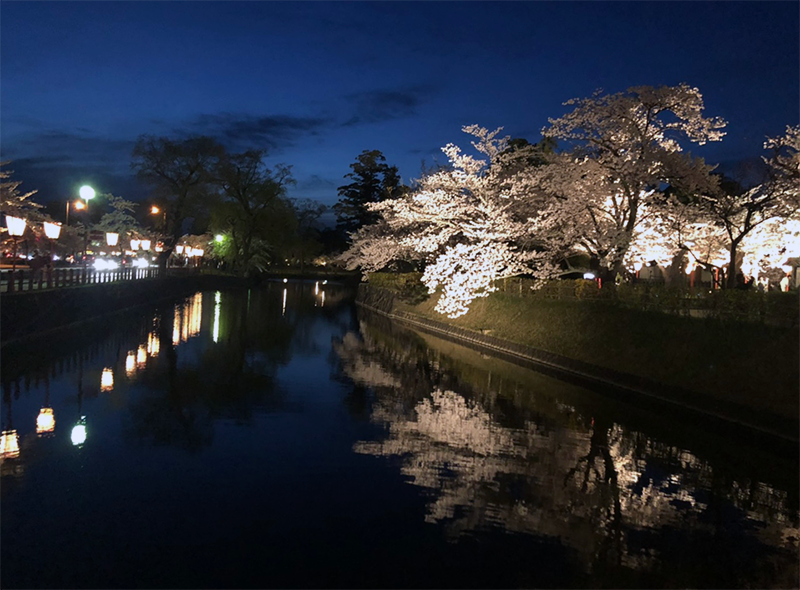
(606, 192)
(12, 201)
(465, 222)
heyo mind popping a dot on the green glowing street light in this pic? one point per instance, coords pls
(86, 192)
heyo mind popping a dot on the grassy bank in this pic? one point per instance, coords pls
(749, 364)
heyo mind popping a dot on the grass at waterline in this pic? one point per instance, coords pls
(750, 364)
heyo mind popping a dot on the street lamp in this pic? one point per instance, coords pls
(79, 205)
(86, 192)
(16, 227)
(52, 231)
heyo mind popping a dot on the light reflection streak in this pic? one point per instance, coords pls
(187, 320)
(217, 301)
(45, 421)
(107, 380)
(283, 309)
(153, 344)
(78, 434)
(9, 444)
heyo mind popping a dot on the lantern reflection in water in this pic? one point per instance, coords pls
(130, 363)
(217, 301)
(283, 309)
(141, 356)
(107, 380)
(188, 319)
(153, 344)
(9, 444)
(45, 421)
(78, 434)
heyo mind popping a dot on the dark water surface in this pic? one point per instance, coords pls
(280, 438)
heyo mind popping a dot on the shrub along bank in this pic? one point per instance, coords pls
(750, 364)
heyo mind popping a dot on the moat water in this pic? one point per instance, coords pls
(280, 437)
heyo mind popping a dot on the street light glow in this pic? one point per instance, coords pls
(79, 205)
(52, 230)
(86, 192)
(154, 210)
(219, 237)
(145, 244)
(135, 244)
(112, 238)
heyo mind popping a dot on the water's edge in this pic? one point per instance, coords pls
(769, 429)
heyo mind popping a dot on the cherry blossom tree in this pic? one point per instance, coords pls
(465, 222)
(607, 190)
(12, 201)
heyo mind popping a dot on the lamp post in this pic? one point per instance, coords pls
(52, 231)
(79, 205)
(16, 227)
(87, 194)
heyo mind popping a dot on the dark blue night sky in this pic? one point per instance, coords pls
(317, 83)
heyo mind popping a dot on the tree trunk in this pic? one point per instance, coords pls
(730, 279)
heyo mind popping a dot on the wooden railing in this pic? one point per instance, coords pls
(35, 280)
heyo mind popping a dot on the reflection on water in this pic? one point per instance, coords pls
(612, 494)
(272, 430)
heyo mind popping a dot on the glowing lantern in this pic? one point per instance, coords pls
(16, 226)
(179, 249)
(112, 238)
(145, 244)
(52, 230)
(9, 444)
(45, 421)
(141, 356)
(199, 252)
(135, 244)
(107, 380)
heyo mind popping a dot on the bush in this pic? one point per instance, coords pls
(408, 286)
(586, 289)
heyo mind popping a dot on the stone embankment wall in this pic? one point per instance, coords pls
(630, 388)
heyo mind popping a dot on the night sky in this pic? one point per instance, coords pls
(317, 83)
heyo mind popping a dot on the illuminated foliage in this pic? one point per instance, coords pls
(625, 147)
(463, 222)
